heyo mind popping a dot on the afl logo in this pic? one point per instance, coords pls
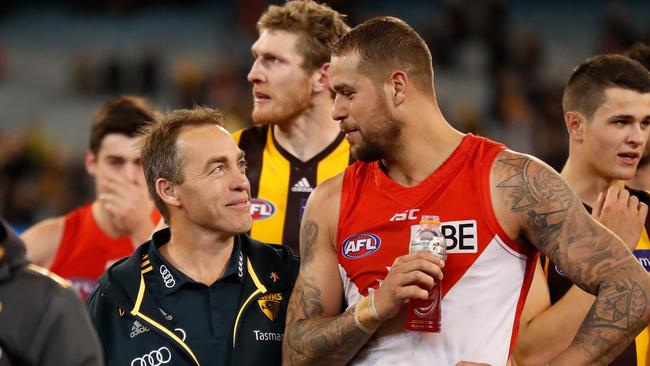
(261, 209)
(360, 245)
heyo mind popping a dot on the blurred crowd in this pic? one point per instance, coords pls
(522, 106)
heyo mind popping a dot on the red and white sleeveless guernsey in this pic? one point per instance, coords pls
(486, 277)
(86, 251)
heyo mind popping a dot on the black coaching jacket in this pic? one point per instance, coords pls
(122, 301)
(42, 320)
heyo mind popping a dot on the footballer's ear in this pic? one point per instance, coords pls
(575, 125)
(91, 163)
(398, 85)
(321, 80)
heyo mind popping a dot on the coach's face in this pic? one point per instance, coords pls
(215, 193)
(362, 110)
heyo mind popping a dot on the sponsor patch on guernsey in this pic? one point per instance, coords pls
(360, 245)
(261, 209)
(643, 256)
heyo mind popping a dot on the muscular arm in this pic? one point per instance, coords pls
(316, 333)
(43, 240)
(534, 204)
(555, 326)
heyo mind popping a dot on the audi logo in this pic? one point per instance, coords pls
(167, 277)
(182, 332)
(156, 357)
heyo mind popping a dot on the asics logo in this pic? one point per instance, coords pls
(167, 277)
(156, 357)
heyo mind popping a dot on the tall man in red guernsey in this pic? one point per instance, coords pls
(82, 244)
(498, 208)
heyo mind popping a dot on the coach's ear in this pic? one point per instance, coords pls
(575, 124)
(165, 190)
(322, 81)
(398, 85)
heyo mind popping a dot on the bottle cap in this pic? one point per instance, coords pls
(430, 220)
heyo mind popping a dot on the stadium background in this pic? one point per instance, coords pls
(500, 68)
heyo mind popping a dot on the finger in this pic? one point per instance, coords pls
(417, 278)
(123, 186)
(421, 265)
(113, 198)
(114, 187)
(612, 196)
(623, 195)
(412, 292)
(430, 257)
(633, 203)
(643, 211)
(598, 207)
(109, 207)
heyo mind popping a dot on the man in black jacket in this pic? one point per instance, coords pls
(201, 292)
(42, 320)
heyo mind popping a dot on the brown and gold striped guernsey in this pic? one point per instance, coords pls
(281, 183)
(637, 352)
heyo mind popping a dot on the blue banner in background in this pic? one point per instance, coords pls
(643, 255)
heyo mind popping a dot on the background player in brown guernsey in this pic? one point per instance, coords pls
(295, 145)
(83, 243)
(641, 180)
(607, 114)
(412, 160)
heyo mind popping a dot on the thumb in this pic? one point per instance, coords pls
(597, 210)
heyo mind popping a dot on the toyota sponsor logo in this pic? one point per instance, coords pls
(156, 357)
(167, 277)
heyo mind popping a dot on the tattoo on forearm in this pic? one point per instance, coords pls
(559, 226)
(308, 238)
(621, 306)
(316, 342)
(310, 302)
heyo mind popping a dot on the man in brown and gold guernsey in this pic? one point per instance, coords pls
(295, 144)
(607, 114)
(641, 180)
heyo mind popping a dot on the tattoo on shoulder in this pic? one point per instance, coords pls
(538, 193)
(308, 238)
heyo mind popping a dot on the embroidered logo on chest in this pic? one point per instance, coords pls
(270, 305)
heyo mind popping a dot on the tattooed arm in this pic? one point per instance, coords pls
(534, 204)
(316, 332)
(555, 326)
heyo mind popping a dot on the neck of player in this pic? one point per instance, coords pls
(200, 253)
(310, 132)
(585, 182)
(427, 140)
